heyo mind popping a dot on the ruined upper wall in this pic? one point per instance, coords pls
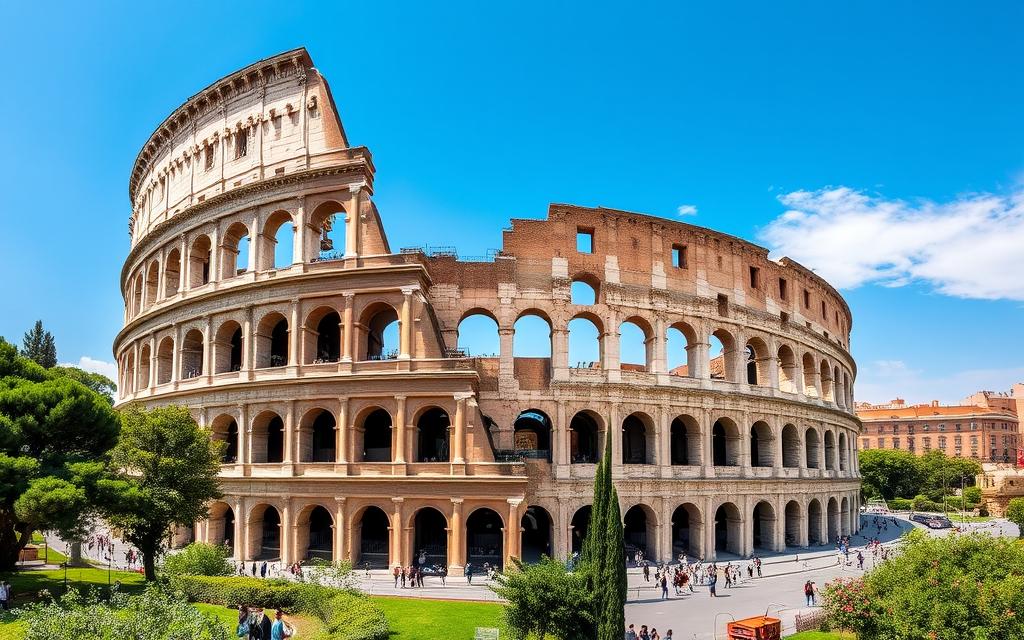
(272, 118)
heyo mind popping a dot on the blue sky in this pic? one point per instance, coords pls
(879, 143)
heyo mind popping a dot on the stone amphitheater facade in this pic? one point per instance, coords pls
(347, 439)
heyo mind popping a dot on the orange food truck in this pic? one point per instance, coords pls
(756, 628)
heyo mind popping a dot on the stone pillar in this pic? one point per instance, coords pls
(136, 366)
(348, 326)
(207, 368)
(709, 530)
(339, 530)
(559, 441)
(614, 431)
(299, 237)
(459, 456)
(560, 353)
(289, 433)
(780, 525)
(183, 280)
(746, 527)
(777, 450)
(243, 440)
(457, 544)
(506, 364)
(287, 534)
(612, 364)
(176, 356)
(294, 331)
(152, 362)
(215, 252)
(803, 539)
(396, 532)
(352, 221)
(513, 531)
(405, 326)
(248, 343)
(341, 435)
(238, 553)
(254, 244)
(398, 439)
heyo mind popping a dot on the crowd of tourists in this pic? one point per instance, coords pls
(684, 576)
(255, 624)
(644, 634)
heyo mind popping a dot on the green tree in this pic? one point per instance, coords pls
(613, 583)
(98, 382)
(1015, 514)
(972, 495)
(545, 599)
(38, 345)
(53, 431)
(165, 472)
(595, 547)
(941, 474)
(890, 473)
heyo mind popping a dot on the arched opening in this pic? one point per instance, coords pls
(845, 517)
(635, 345)
(585, 342)
(272, 341)
(790, 447)
(794, 520)
(278, 240)
(580, 523)
(322, 336)
(225, 429)
(172, 273)
(684, 443)
(221, 525)
(266, 522)
(478, 336)
(128, 374)
(837, 388)
(532, 430)
(722, 356)
(635, 531)
(833, 520)
(810, 376)
(199, 262)
(267, 438)
(750, 357)
(192, 354)
(761, 441)
(686, 531)
(635, 433)
(375, 434)
(826, 382)
(137, 287)
(812, 448)
(431, 538)
(382, 328)
(484, 538)
(583, 291)
(725, 436)
(165, 360)
(681, 343)
(374, 544)
(583, 439)
(234, 257)
(531, 336)
(536, 534)
(432, 440)
(227, 348)
(728, 529)
(787, 370)
(764, 526)
(814, 522)
(844, 452)
(321, 427)
(830, 450)
(145, 355)
(319, 526)
(152, 283)
(326, 241)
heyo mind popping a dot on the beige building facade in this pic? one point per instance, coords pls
(261, 292)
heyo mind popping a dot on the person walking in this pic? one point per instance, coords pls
(712, 583)
(860, 560)
(643, 635)
(757, 563)
(254, 569)
(630, 633)
(647, 572)
(809, 593)
(280, 630)
(397, 572)
(263, 569)
(668, 635)
(664, 587)
(443, 572)
(469, 572)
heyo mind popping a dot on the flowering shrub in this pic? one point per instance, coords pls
(847, 603)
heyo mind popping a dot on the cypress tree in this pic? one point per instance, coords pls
(39, 346)
(613, 579)
(595, 550)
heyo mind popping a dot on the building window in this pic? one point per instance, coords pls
(910, 429)
(957, 440)
(958, 426)
(679, 256)
(807, 299)
(783, 289)
(755, 278)
(895, 443)
(208, 157)
(942, 442)
(881, 443)
(942, 427)
(241, 143)
(585, 240)
(824, 316)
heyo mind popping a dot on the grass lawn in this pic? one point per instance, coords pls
(956, 518)
(419, 619)
(52, 557)
(27, 584)
(822, 635)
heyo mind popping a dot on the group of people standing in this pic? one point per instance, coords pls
(684, 576)
(644, 634)
(255, 624)
(412, 576)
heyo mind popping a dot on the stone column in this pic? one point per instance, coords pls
(777, 449)
(457, 544)
(614, 431)
(405, 326)
(780, 525)
(459, 456)
(207, 367)
(136, 366)
(697, 358)
(560, 353)
(339, 529)
(243, 440)
(612, 364)
(152, 362)
(215, 251)
(352, 221)
(239, 549)
(176, 356)
(289, 433)
(299, 237)
(398, 439)
(183, 280)
(746, 527)
(709, 530)
(341, 435)
(559, 441)
(513, 531)
(287, 534)
(348, 337)
(294, 331)
(396, 532)
(248, 344)
(506, 364)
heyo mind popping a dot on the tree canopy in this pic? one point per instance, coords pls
(54, 432)
(165, 471)
(39, 346)
(894, 473)
(1015, 513)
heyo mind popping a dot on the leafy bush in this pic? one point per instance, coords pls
(922, 503)
(544, 599)
(900, 504)
(351, 616)
(200, 559)
(233, 591)
(972, 494)
(150, 616)
(960, 586)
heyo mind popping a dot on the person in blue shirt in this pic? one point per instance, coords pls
(279, 630)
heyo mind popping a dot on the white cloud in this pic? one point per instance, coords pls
(969, 247)
(687, 210)
(93, 365)
(884, 380)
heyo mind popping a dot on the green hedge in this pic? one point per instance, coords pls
(901, 504)
(346, 615)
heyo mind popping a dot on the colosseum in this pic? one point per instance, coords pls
(262, 293)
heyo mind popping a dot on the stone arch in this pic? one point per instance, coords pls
(165, 360)
(728, 529)
(844, 452)
(530, 325)
(318, 427)
(640, 526)
(199, 256)
(267, 440)
(794, 523)
(314, 533)
(145, 355)
(326, 234)
(756, 358)
(322, 335)
(585, 345)
(788, 370)
(810, 376)
(152, 283)
(233, 261)
(380, 324)
(128, 373)
(725, 443)
(228, 347)
(722, 365)
(792, 450)
(839, 390)
(430, 537)
(224, 428)
(264, 528)
(372, 435)
(371, 538)
(278, 228)
(477, 334)
(537, 535)
(220, 525)
(579, 524)
(812, 448)
(763, 525)
(684, 441)
(485, 538)
(845, 517)
(637, 439)
(681, 346)
(192, 354)
(636, 342)
(827, 393)
(532, 433)
(138, 285)
(272, 341)
(433, 426)
(814, 516)
(834, 526)
(762, 445)
(830, 450)
(584, 289)
(172, 273)
(585, 439)
(687, 531)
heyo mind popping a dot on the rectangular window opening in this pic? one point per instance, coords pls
(679, 256)
(723, 305)
(208, 157)
(241, 143)
(807, 299)
(755, 278)
(783, 289)
(584, 240)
